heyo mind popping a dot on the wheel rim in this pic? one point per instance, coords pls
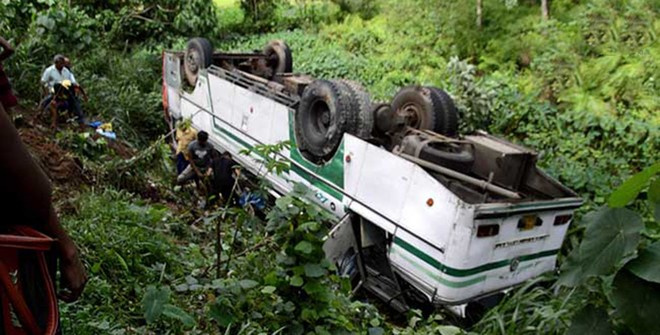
(320, 117)
(413, 114)
(192, 61)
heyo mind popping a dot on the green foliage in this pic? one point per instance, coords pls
(259, 13)
(89, 145)
(298, 290)
(475, 102)
(125, 246)
(654, 198)
(433, 324)
(138, 173)
(580, 88)
(637, 302)
(611, 240)
(155, 303)
(512, 76)
(630, 189)
(645, 266)
(124, 88)
(271, 156)
(530, 309)
(135, 21)
(71, 29)
(611, 235)
(366, 9)
(590, 320)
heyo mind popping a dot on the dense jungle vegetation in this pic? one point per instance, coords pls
(580, 86)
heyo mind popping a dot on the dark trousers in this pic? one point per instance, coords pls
(68, 96)
(181, 163)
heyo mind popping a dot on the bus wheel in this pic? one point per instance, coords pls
(363, 109)
(324, 114)
(427, 108)
(278, 57)
(199, 55)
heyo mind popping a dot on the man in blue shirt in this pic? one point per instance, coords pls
(60, 83)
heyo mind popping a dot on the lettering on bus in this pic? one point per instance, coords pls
(520, 241)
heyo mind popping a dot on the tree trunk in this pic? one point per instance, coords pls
(545, 10)
(479, 13)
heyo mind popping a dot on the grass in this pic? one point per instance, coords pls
(225, 3)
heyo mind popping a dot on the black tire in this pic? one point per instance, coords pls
(431, 109)
(447, 115)
(199, 55)
(363, 109)
(325, 113)
(279, 57)
(383, 118)
(456, 156)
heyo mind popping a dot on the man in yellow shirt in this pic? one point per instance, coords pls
(185, 134)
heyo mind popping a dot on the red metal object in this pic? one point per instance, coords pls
(17, 318)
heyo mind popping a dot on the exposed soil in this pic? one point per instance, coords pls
(60, 166)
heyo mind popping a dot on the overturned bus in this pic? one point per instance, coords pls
(424, 215)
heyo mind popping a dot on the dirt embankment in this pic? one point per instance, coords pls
(66, 170)
(60, 165)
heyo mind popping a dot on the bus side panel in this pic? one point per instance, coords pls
(243, 119)
(172, 81)
(384, 182)
(416, 261)
(279, 126)
(430, 210)
(436, 215)
(222, 94)
(197, 105)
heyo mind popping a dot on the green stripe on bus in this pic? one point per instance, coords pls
(317, 183)
(437, 277)
(467, 272)
(332, 171)
(228, 135)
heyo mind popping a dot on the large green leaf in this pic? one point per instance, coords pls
(647, 265)
(247, 284)
(638, 302)
(177, 313)
(304, 247)
(590, 320)
(654, 198)
(314, 270)
(629, 190)
(296, 281)
(611, 234)
(572, 269)
(222, 315)
(448, 330)
(154, 301)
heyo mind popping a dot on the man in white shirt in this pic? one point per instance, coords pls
(59, 82)
(56, 73)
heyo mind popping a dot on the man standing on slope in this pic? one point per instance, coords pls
(200, 152)
(59, 83)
